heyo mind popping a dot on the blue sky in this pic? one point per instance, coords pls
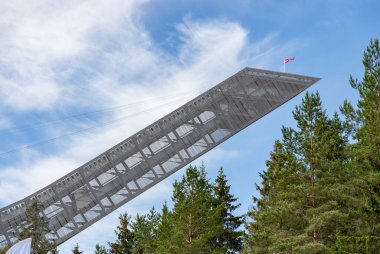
(76, 78)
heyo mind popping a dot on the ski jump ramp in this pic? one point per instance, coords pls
(90, 192)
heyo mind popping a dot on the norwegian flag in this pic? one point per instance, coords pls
(287, 60)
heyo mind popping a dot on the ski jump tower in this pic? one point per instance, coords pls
(90, 192)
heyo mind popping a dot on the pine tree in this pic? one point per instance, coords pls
(100, 249)
(145, 232)
(231, 237)
(37, 226)
(301, 203)
(125, 238)
(76, 250)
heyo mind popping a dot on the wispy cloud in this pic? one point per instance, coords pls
(60, 56)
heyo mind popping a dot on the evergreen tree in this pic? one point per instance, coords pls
(37, 226)
(100, 249)
(231, 237)
(363, 235)
(76, 250)
(125, 237)
(302, 201)
(201, 221)
(367, 115)
(145, 231)
(194, 220)
(165, 231)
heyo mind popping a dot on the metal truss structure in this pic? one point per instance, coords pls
(90, 192)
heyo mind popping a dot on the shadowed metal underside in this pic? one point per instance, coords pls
(121, 173)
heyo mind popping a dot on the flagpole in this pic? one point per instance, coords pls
(287, 60)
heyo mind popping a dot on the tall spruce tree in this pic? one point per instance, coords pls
(363, 235)
(231, 238)
(195, 221)
(301, 203)
(125, 237)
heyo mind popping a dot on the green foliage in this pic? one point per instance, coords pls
(302, 191)
(125, 237)
(320, 192)
(201, 221)
(4, 250)
(53, 249)
(367, 114)
(37, 226)
(164, 231)
(231, 238)
(350, 244)
(76, 250)
(364, 157)
(100, 249)
(194, 220)
(144, 232)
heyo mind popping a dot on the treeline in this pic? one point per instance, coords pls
(320, 191)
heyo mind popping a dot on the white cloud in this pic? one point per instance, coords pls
(54, 46)
(32, 175)
(41, 36)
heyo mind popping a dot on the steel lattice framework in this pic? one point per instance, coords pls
(121, 173)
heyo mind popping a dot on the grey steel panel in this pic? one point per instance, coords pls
(121, 173)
